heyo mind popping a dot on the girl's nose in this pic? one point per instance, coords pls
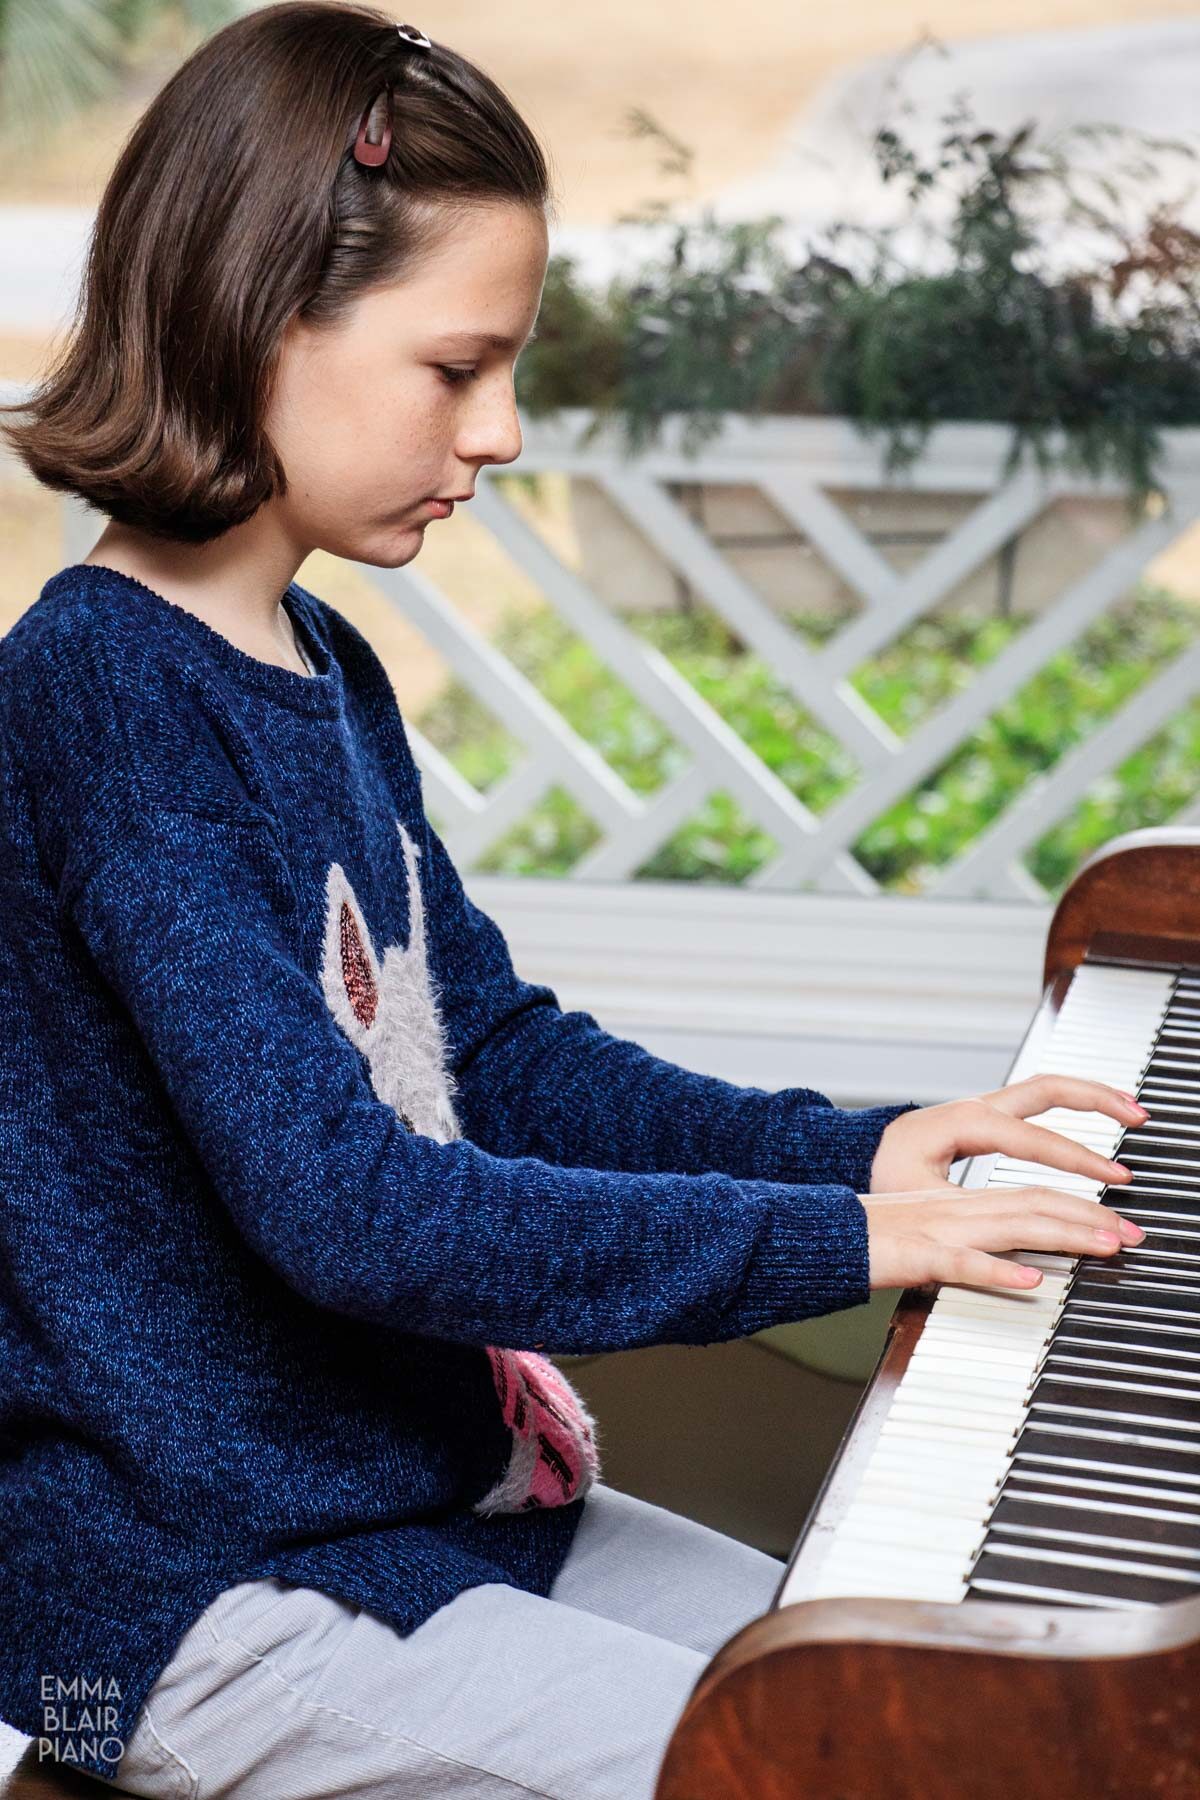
(493, 436)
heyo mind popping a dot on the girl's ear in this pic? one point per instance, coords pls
(350, 972)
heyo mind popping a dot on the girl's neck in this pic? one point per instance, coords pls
(241, 599)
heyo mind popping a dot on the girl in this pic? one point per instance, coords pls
(303, 1183)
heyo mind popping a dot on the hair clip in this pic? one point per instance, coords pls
(373, 155)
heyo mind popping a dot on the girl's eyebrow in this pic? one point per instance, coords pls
(478, 340)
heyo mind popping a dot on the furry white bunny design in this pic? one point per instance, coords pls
(390, 1012)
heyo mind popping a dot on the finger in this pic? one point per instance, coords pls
(964, 1267)
(1036, 1144)
(1038, 1093)
(1041, 1231)
(1070, 1208)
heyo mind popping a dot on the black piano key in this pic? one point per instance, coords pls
(1183, 1218)
(1172, 1341)
(1152, 1439)
(1157, 1259)
(1103, 1395)
(1100, 1583)
(1187, 1118)
(1148, 1262)
(1178, 1142)
(1140, 1532)
(1156, 1094)
(1137, 1294)
(1155, 1168)
(1159, 1152)
(1094, 1397)
(1131, 1364)
(1114, 1315)
(1154, 1182)
(1143, 1381)
(1166, 1199)
(1116, 1270)
(1152, 1168)
(1094, 1273)
(1133, 1488)
(1178, 1458)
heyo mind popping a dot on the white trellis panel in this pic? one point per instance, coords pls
(793, 462)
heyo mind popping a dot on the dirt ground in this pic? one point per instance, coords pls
(727, 83)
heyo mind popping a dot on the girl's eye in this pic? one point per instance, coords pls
(454, 376)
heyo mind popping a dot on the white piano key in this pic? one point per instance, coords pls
(950, 1590)
(990, 1384)
(956, 1418)
(898, 1528)
(948, 1441)
(865, 1556)
(930, 1451)
(985, 1353)
(956, 1497)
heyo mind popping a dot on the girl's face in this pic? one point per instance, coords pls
(403, 400)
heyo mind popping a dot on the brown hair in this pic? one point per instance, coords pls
(236, 205)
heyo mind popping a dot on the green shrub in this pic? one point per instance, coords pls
(1103, 352)
(1058, 707)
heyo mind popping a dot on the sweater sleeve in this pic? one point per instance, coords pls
(188, 918)
(535, 1080)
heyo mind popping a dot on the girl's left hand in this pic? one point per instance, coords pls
(917, 1149)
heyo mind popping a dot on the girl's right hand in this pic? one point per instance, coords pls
(946, 1233)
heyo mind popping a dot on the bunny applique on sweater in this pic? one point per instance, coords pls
(389, 1011)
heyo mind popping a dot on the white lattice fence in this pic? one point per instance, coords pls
(795, 464)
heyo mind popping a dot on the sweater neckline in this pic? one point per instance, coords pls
(318, 693)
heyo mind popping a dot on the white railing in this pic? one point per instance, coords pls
(793, 462)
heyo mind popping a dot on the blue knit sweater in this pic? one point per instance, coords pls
(303, 1185)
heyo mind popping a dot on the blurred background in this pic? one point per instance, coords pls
(845, 596)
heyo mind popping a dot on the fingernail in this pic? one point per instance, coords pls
(1135, 1232)
(1119, 1168)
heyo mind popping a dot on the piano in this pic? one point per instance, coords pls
(996, 1594)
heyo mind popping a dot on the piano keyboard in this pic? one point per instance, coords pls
(1044, 1446)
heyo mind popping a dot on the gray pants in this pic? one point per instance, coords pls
(282, 1693)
